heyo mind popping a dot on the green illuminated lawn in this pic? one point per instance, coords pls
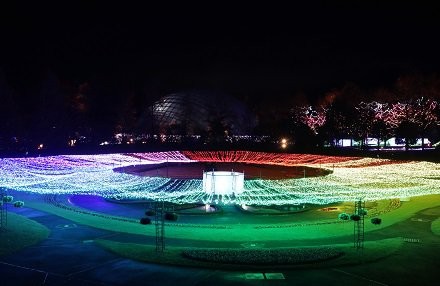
(435, 226)
(21, 232)
(312, 231)
(407, 210)
(312, 228)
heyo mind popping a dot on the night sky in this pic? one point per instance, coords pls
(269, 51)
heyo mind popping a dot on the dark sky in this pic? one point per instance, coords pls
(247, 50)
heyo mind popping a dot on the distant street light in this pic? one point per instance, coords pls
(283, 143)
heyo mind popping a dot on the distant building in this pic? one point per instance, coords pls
(392, 142)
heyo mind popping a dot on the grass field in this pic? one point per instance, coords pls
(320, 233)
(435, 226)
(310, 229)
(21, 232)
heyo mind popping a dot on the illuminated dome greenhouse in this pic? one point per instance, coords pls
(195, 112)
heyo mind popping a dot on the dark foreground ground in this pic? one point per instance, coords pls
(70, 257)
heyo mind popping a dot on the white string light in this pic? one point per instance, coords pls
(352, 178)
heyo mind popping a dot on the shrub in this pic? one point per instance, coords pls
(344, 216)
(18, 204)
(263, 256)
(171, 216)
(8, 199)
(355, 217)
(145, 220)
(150, 213)
(362, 212)
(376, 220)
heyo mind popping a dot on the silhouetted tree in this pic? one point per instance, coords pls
(50, 120)
(408, 130)
(11, 121)
(376, 220)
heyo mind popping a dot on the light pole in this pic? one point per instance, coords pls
(3, 210)
(159, 208)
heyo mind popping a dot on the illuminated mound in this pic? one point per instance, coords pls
(349, 179)
(195, 170)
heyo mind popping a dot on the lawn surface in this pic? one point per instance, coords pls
(21, 232)
(313, 228)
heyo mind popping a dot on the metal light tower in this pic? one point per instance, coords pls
(159, 208)
(3, 210)
(359, 225)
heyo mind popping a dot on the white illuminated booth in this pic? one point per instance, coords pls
(223, 182)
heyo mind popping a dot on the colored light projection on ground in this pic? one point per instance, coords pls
(351, 178)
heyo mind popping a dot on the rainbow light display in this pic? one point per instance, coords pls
(352, 178)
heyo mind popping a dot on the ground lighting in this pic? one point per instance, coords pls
(351, 178)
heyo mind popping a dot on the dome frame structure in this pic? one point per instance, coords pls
(201, 113)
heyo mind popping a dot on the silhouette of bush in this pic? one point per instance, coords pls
(376, 220)
(355, 217)
(18, 204)
(344, 216)
(171, 216)
(8, 199)
(150, 213)
(145, 220)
